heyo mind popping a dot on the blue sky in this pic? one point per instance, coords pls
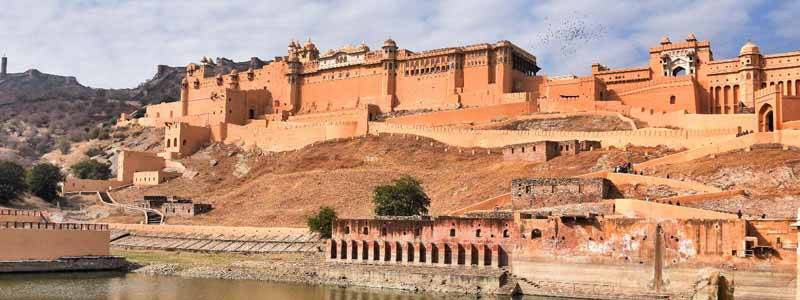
(119, 43)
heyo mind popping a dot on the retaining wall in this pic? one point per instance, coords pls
(49, 241)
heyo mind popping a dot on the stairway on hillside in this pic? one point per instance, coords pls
(153, 218)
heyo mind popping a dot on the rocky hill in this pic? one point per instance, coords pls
(41, 112)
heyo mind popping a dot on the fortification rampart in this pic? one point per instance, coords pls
(500, 138)
(285, 137)
(16, 215)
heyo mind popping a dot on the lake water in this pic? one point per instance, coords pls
(122, 286)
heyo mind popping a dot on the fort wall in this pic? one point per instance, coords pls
(499, 138)
(49, 241)
(284, 137)
(15, 215)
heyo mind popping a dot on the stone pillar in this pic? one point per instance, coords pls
(440, 253)
(393, 252)
(380, 253)
(495, 256)
(422, 250)
(467, 255)
(481, 253)
(404, 252)
(354, 253)
(454, 253)
(429, 250)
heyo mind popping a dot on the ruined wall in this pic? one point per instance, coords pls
(529, 193)
(39, 241)
(779, 235)
(535, 152)
(646, 209)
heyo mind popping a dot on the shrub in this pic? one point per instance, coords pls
(92, 152)
(43, 181)
(12, 181)
(322, 222)
(91, 169)
(404, 197)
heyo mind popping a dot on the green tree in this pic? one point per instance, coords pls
(91, 169)
(12, 181)
(43, 181)
(404, 197)
(322, 222)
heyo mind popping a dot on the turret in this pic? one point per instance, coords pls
(388, 84)
(750, 62)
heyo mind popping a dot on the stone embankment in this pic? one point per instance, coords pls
(215, 239)
(312, 269)
(65, 264)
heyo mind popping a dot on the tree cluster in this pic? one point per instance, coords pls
(41, 180)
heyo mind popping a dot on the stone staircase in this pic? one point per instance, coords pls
(522, 285)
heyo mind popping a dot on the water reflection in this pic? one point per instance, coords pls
(121, 286)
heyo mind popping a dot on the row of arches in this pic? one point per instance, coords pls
(788, 87)
(382, 252)
(724, 99)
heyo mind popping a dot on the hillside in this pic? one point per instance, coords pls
(282, 189)
(769, 177)
(44, 112)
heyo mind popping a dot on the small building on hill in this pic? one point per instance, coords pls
(543, 151)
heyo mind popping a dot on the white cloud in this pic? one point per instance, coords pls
(119, 43)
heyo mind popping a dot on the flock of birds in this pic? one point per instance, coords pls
(569, 34)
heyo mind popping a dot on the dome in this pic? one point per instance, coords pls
(665, 41)
(389, 43)
(691, 38)
(363, 47)
(749, 48)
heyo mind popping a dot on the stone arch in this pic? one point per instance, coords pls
(347, 230)
(797, 87)
(252, 113)
(536, 234)
(448, 255)
(462, 254)
(453, 232)
(169, 143)
(672, 99)
(410, 252)
(717, 106)
(353, 250)
(398, 253)
(502, 257)
(422, 249)
(727, 99)
(780, 88)
(788, 88)
(487, 256)
(333, 248)
(343, 253)
(678, 71)
(387, 250)
(506, 233)
(376, 251)
(175, 142)
(477, 233)
(766, 118)
(474, 255)
(365, 250)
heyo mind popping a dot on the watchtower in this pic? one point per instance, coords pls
(3, 66)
